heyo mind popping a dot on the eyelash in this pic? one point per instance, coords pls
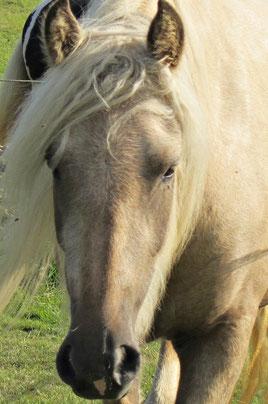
(168, 174)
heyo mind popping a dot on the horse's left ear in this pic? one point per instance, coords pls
(166, 35)
(61, 32)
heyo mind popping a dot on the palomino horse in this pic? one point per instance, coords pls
(149, 134)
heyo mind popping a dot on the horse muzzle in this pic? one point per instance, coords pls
(105, 376)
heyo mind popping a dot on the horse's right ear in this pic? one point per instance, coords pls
(165, 38)
(60, 33)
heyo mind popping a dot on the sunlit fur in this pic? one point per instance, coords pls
(256, 373)
(167, 376)
(69, 94)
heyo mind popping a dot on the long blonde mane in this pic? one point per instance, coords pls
(70, 93)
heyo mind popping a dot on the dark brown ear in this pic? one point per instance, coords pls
(61, 33)
(166, 35)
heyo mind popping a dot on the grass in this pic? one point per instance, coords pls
(29, 345)
(28, 349)
(13, 14)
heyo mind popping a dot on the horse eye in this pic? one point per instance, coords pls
(168, 174)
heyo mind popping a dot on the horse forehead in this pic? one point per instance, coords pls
(125, 129)
(97, 141)
(120, 141)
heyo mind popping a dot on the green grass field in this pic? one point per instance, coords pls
(28, 345)
(12, 18)
(28, 348)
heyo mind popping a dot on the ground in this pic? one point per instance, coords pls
(28, 345)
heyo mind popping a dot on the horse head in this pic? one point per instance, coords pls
(115, 201)
(112, 142)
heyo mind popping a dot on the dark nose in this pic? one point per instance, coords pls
(122, 364)
(106, 376)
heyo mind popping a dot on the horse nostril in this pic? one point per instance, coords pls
(64, 366)
(131, 359)
(126, 364)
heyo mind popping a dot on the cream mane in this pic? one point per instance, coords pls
(110, 66)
